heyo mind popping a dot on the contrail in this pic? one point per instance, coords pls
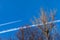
(10, 22)
(14, 29)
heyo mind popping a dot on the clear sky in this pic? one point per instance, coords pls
(12, 10)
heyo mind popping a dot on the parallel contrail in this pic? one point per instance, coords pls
(10, 23)
(14, 29)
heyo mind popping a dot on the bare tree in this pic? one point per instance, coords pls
(42, 32)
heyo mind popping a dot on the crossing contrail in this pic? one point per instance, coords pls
(10, 22)
(14, 29)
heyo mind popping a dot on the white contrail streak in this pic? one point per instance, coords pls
(10, 23)
(14, 29)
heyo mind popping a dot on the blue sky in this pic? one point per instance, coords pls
(12, 10)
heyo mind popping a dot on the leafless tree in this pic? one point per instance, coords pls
(40, 32)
